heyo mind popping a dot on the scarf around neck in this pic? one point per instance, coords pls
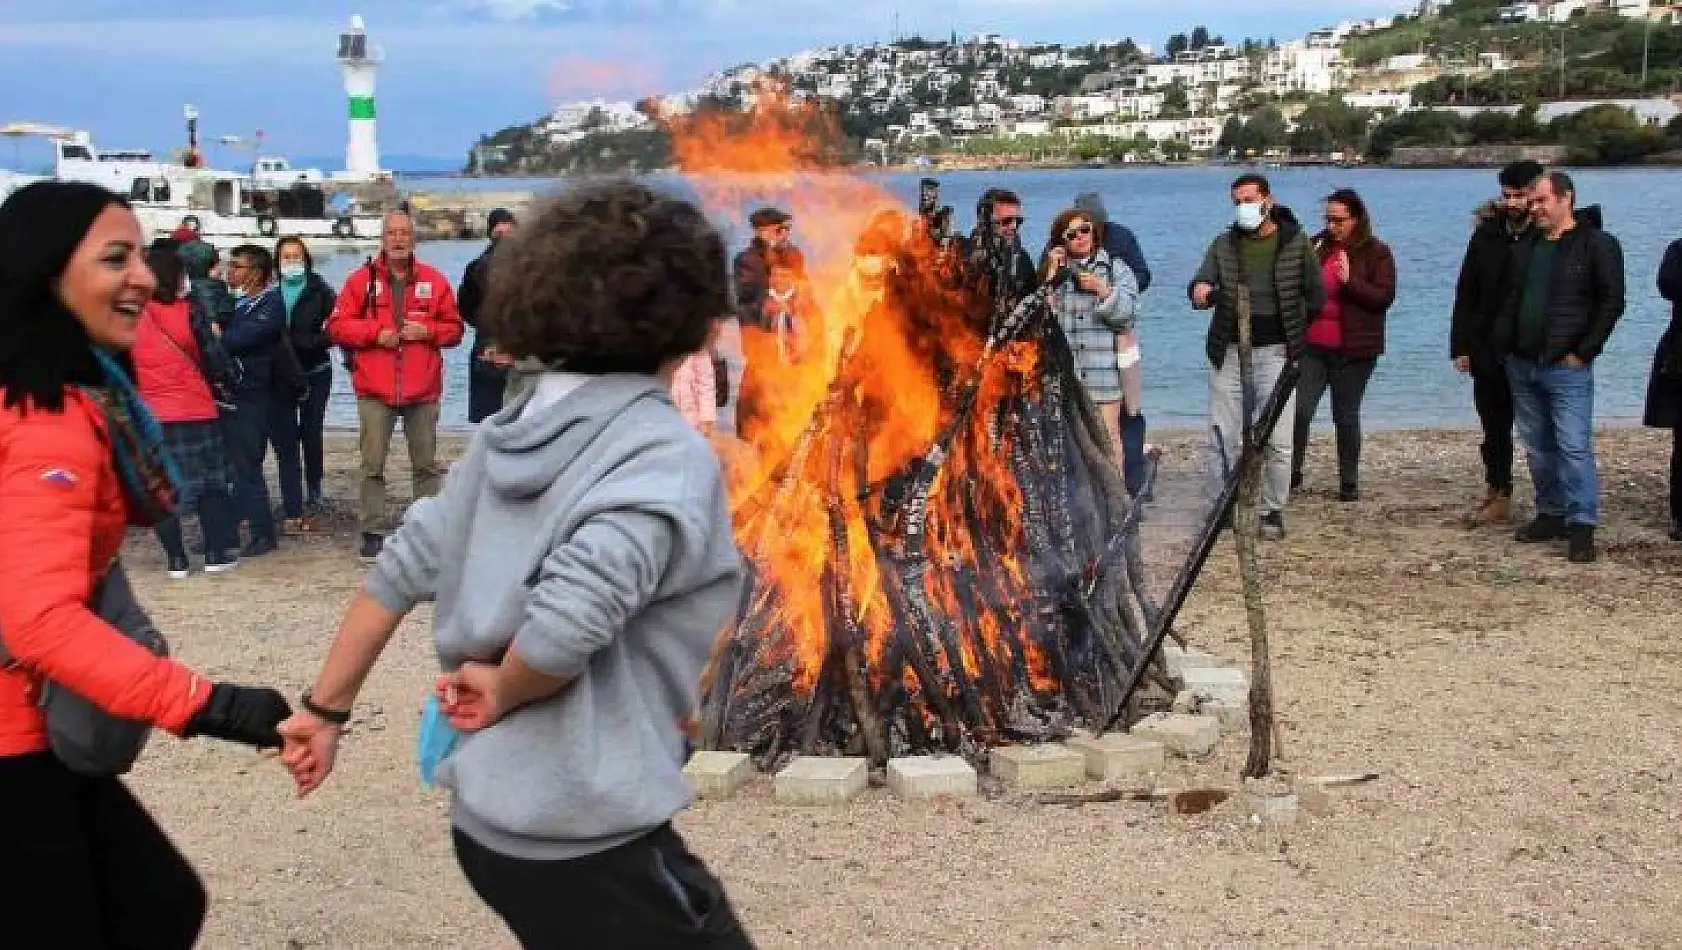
(151, 482)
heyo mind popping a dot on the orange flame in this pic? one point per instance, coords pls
(859, 349)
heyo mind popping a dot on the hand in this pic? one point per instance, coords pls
(1058, 256)
(1463, 364)
(1201, 294)
(473, 697)
(1340, 265)
(310, 746)
(1572, 361)
(247, 714)
(414, 332)
(1093, 284)
(387, 339)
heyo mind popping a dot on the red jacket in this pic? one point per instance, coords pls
(167, 365)
(410, 372)
(62, 519)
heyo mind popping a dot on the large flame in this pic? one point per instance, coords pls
(807, 495)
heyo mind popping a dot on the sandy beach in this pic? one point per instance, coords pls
(1522, 714)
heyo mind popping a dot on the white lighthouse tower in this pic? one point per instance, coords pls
(360, 62)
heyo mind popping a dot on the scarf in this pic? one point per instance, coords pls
(151, 483)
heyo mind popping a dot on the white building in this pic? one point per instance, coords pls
(1379, 100)
(1028, 104)
(1295, 67)
(1029, 127)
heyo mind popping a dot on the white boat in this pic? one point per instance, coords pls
(271, 171)
(225, 208)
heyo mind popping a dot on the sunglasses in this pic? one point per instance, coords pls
(1338, 219)
(1079, 230)
(1013, 221)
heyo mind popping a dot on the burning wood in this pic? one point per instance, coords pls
(943, 555)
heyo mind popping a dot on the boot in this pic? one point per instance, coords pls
(1579, 543)
(1497, 508)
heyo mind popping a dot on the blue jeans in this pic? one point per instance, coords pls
(246, 431)
(296, 432)
(1554, 409)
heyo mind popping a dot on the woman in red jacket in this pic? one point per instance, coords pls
(169, 373)
(1347, 336)
(86, 866)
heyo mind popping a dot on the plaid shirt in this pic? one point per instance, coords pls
(1090, 323)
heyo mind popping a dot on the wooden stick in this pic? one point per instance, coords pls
(1246, 522)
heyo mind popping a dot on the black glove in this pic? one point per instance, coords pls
(247, 714)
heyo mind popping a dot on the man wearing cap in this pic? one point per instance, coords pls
(487, 366)
(769, 251)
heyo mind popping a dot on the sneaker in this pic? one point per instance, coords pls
(179, 568)
(1273, 525)
(258, 547)
(372, 544)
(1348, 492)
(1543, 528)
(1579, 544)
(221, 563)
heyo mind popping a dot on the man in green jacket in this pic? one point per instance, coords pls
(1266, 252)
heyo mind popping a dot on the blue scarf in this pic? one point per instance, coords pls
(151, 482)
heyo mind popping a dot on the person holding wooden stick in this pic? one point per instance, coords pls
(1267, 255)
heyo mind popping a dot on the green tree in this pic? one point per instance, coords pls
(1175, 150)
(1177, 44)
(1199, 37)
(1176, 103)
(1420, 127)
(1607, 135)
(1265, 130)
(1232, 136)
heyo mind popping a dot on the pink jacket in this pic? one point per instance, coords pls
(694, 391)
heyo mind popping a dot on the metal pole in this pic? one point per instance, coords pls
(1646, 36)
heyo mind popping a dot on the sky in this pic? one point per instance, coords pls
(456, 69)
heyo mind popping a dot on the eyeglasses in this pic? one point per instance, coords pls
(1338, 219)
(1079, 230)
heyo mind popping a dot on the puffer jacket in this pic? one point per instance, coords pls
(1478, 293)
(1297, 286)
(63, 521)
(412, 372)
(1585, 293)
(167, 364)
(307, 324)
(1664, 386)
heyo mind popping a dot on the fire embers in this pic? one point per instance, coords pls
(937, 530)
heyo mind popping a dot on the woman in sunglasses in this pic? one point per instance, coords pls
(1346, 338)
(1094, 299)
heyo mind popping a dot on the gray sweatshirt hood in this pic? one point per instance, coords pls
(1092, 204)
(527, 453)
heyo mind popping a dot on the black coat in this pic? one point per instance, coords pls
(1585, 292)
(307, 328)
(1664, 388)
(470, 300)
(1478, 293)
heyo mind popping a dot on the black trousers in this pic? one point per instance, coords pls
(1676, 476)
(85, 868)
(1492, 395)
(1347, 379)
(297, 433)
(651, 892)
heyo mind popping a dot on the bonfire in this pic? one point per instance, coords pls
(943, 555)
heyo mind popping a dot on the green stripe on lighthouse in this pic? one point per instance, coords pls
(362, 107)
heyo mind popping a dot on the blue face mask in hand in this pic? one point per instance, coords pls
(435, 741)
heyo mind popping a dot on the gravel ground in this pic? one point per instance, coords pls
(1521, 713)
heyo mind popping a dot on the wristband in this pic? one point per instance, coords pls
(334, 716)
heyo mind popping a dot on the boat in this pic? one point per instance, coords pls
(225, 208)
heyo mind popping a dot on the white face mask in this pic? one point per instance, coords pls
(292, 271)
(1250, 215)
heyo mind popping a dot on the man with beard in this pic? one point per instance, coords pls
(487, 366)
(1501, 224)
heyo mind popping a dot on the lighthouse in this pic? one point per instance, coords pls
(360, 61)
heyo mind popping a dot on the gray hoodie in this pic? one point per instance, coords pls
(594, 539)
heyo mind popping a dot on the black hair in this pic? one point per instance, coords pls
(1521, 174)
(1561, 183)
(258, 257)
(298, 242)
(1251, 178)
(1001, 196)
(165, 261)
(1351, 199)
(43, 346)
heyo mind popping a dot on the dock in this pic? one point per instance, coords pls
(460, 215)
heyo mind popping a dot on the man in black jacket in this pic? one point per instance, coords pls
(1501, 224)
(487, 372)
(252, 335)
(1565, 296)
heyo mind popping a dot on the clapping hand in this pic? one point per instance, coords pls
(414, 332)
(387, 339)
(1341, 266)
(1092, 284)
(473, 697)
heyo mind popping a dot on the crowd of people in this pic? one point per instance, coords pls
(143, 379)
